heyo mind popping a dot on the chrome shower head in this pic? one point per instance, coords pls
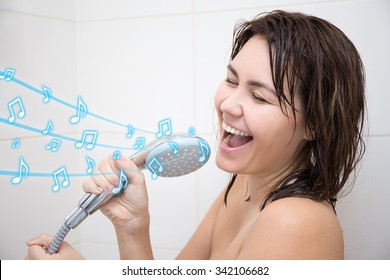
(177, 156)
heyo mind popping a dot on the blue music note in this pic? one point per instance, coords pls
(54, 145)
(122, 184)
(205, 150)
(81, 112)
(155, 167)
(49, 128)
(191, 131)
(91, 164)
(15, 143)
(116, 155)
(139, 143)
(174, 146)
(60, 172)
(90, 144)
(21, 114)
(130, 131)
(8, 74)
(23, 168)
(47, 93)
(164, 128)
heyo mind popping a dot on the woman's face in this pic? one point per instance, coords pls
(256, 137)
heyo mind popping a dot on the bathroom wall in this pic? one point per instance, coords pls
(138, 62)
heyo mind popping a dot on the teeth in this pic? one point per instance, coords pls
(233, 130)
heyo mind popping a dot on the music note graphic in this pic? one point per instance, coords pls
(8, 74)
(164, 128)
(130, 131)
(116, 155)
(60, 172)
(48, 129)
(54, 145)
(22, 112)
(23, 168)
(191, 131)
(90, 144)
(122, 184)
(139, 143)
(15, 143)
(80, 113)
(174, 146)
(91, 164)
(47, 93)
(155, 167)
(204, 148)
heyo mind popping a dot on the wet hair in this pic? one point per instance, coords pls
(314, 60)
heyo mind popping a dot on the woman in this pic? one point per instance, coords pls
(291, 113)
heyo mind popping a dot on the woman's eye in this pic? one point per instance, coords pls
(258, 98)
(231, 82)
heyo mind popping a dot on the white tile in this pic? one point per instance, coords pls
(222, 5)
(97, 228)
(62, 9)
(42, 52)
(160, 254)
(99, 251)
(139, 71)
(364, 212)
(38, 116)
(97, 10)
(31, 207)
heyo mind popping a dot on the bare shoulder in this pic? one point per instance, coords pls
(295, 228)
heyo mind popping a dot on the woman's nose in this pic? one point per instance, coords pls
(232, 105)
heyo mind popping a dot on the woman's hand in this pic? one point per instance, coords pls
(37, 250)
(128, 209)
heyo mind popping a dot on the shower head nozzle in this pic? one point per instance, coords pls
(177, 156)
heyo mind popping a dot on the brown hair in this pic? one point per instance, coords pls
(319, 63)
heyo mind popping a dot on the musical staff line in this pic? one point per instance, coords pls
(44, 174)
(67, 138)
(56, 99)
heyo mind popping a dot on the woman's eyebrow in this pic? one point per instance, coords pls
(254, 83)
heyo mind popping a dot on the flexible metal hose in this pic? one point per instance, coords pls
(58, 238)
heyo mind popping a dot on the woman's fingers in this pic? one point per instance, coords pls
(89, 186)
(38, 246)
(42, 240)
(103, 178)
(133, 174)
(37, 249)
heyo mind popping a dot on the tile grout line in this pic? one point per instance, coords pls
(168, 15)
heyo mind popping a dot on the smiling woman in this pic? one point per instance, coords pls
(290, 113)
(318, 83)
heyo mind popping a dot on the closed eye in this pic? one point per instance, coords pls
(258, 98)
(231, 82)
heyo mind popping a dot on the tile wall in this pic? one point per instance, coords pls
(138, 62)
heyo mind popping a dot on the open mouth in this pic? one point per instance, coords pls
(233, 137)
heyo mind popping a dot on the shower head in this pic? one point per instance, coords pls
(173, 156)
